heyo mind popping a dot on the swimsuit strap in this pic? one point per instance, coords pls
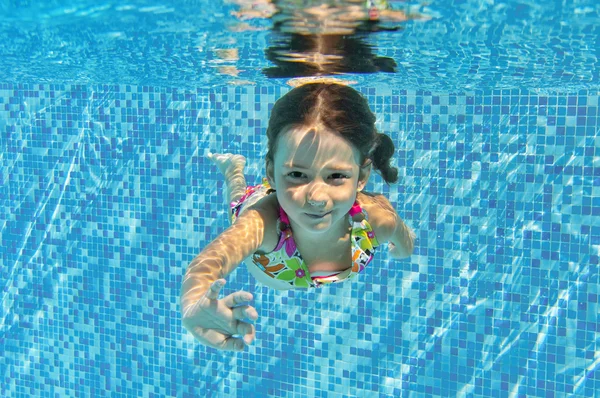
(283, 216)
(285, 230)
(355, 209)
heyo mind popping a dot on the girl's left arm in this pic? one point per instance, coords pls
(402, 240)
(388, 225)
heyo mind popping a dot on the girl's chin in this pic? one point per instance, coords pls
(318, 224)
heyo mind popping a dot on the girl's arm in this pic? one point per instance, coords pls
(222, 255)
(402, 240)
(388, 225)
(223, 323)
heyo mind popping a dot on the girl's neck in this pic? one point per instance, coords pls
(338, 232)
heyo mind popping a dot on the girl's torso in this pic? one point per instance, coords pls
(285, 260)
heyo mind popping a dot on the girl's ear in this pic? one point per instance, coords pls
(363, 175)
(270, 173)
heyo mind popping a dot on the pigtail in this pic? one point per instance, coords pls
(382, 154)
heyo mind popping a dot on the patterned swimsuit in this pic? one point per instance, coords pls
(285, 262)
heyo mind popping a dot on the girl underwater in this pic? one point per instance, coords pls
(309, 223)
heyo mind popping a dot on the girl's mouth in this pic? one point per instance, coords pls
(317, 216)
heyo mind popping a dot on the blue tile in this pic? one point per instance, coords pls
(107, 208)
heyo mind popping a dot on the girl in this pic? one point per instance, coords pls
(309, 223)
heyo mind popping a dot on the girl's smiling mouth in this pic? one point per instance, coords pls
(317, 216)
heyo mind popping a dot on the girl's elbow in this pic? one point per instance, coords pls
(410, 243)
(404, 241)
(402, 249)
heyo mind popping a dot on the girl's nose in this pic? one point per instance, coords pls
(316, 203)
(316, 196)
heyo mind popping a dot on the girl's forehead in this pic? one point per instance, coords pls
(307, 145)
(310, 136)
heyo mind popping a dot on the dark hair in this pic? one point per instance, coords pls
(340, 109)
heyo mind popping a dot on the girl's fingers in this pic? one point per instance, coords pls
(246, 331)
(233, 344)
(227, 330)
(221, 341)
(242, 334)
(215, 288)
(245, 312)
(237, 298)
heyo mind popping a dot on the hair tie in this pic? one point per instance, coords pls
(355, 209)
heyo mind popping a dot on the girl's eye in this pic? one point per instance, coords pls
(296, 174)
(338, 176)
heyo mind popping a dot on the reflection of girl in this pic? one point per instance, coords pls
(312, 55)
(310, 223)
(314, 38)
(324, 38)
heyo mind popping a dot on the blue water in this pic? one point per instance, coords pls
(107, 111)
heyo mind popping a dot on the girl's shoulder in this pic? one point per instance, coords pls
(268, 209)
(382, 215)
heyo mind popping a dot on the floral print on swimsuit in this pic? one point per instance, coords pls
(236, 206)
(285, 262)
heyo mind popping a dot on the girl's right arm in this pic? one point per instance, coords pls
(215, 322)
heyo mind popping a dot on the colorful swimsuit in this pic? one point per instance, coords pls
(285, 263)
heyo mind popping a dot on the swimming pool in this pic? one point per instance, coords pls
(107, 111)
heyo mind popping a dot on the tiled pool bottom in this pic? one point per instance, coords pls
(107, 196)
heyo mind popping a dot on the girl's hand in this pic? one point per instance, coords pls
(220, 323)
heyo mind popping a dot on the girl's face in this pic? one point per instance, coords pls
(316, 174)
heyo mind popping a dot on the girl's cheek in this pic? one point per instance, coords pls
(298, 196)
(295, 193)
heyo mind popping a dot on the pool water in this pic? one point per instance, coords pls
(107, 112)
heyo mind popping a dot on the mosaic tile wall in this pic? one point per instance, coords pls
(106, 196)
